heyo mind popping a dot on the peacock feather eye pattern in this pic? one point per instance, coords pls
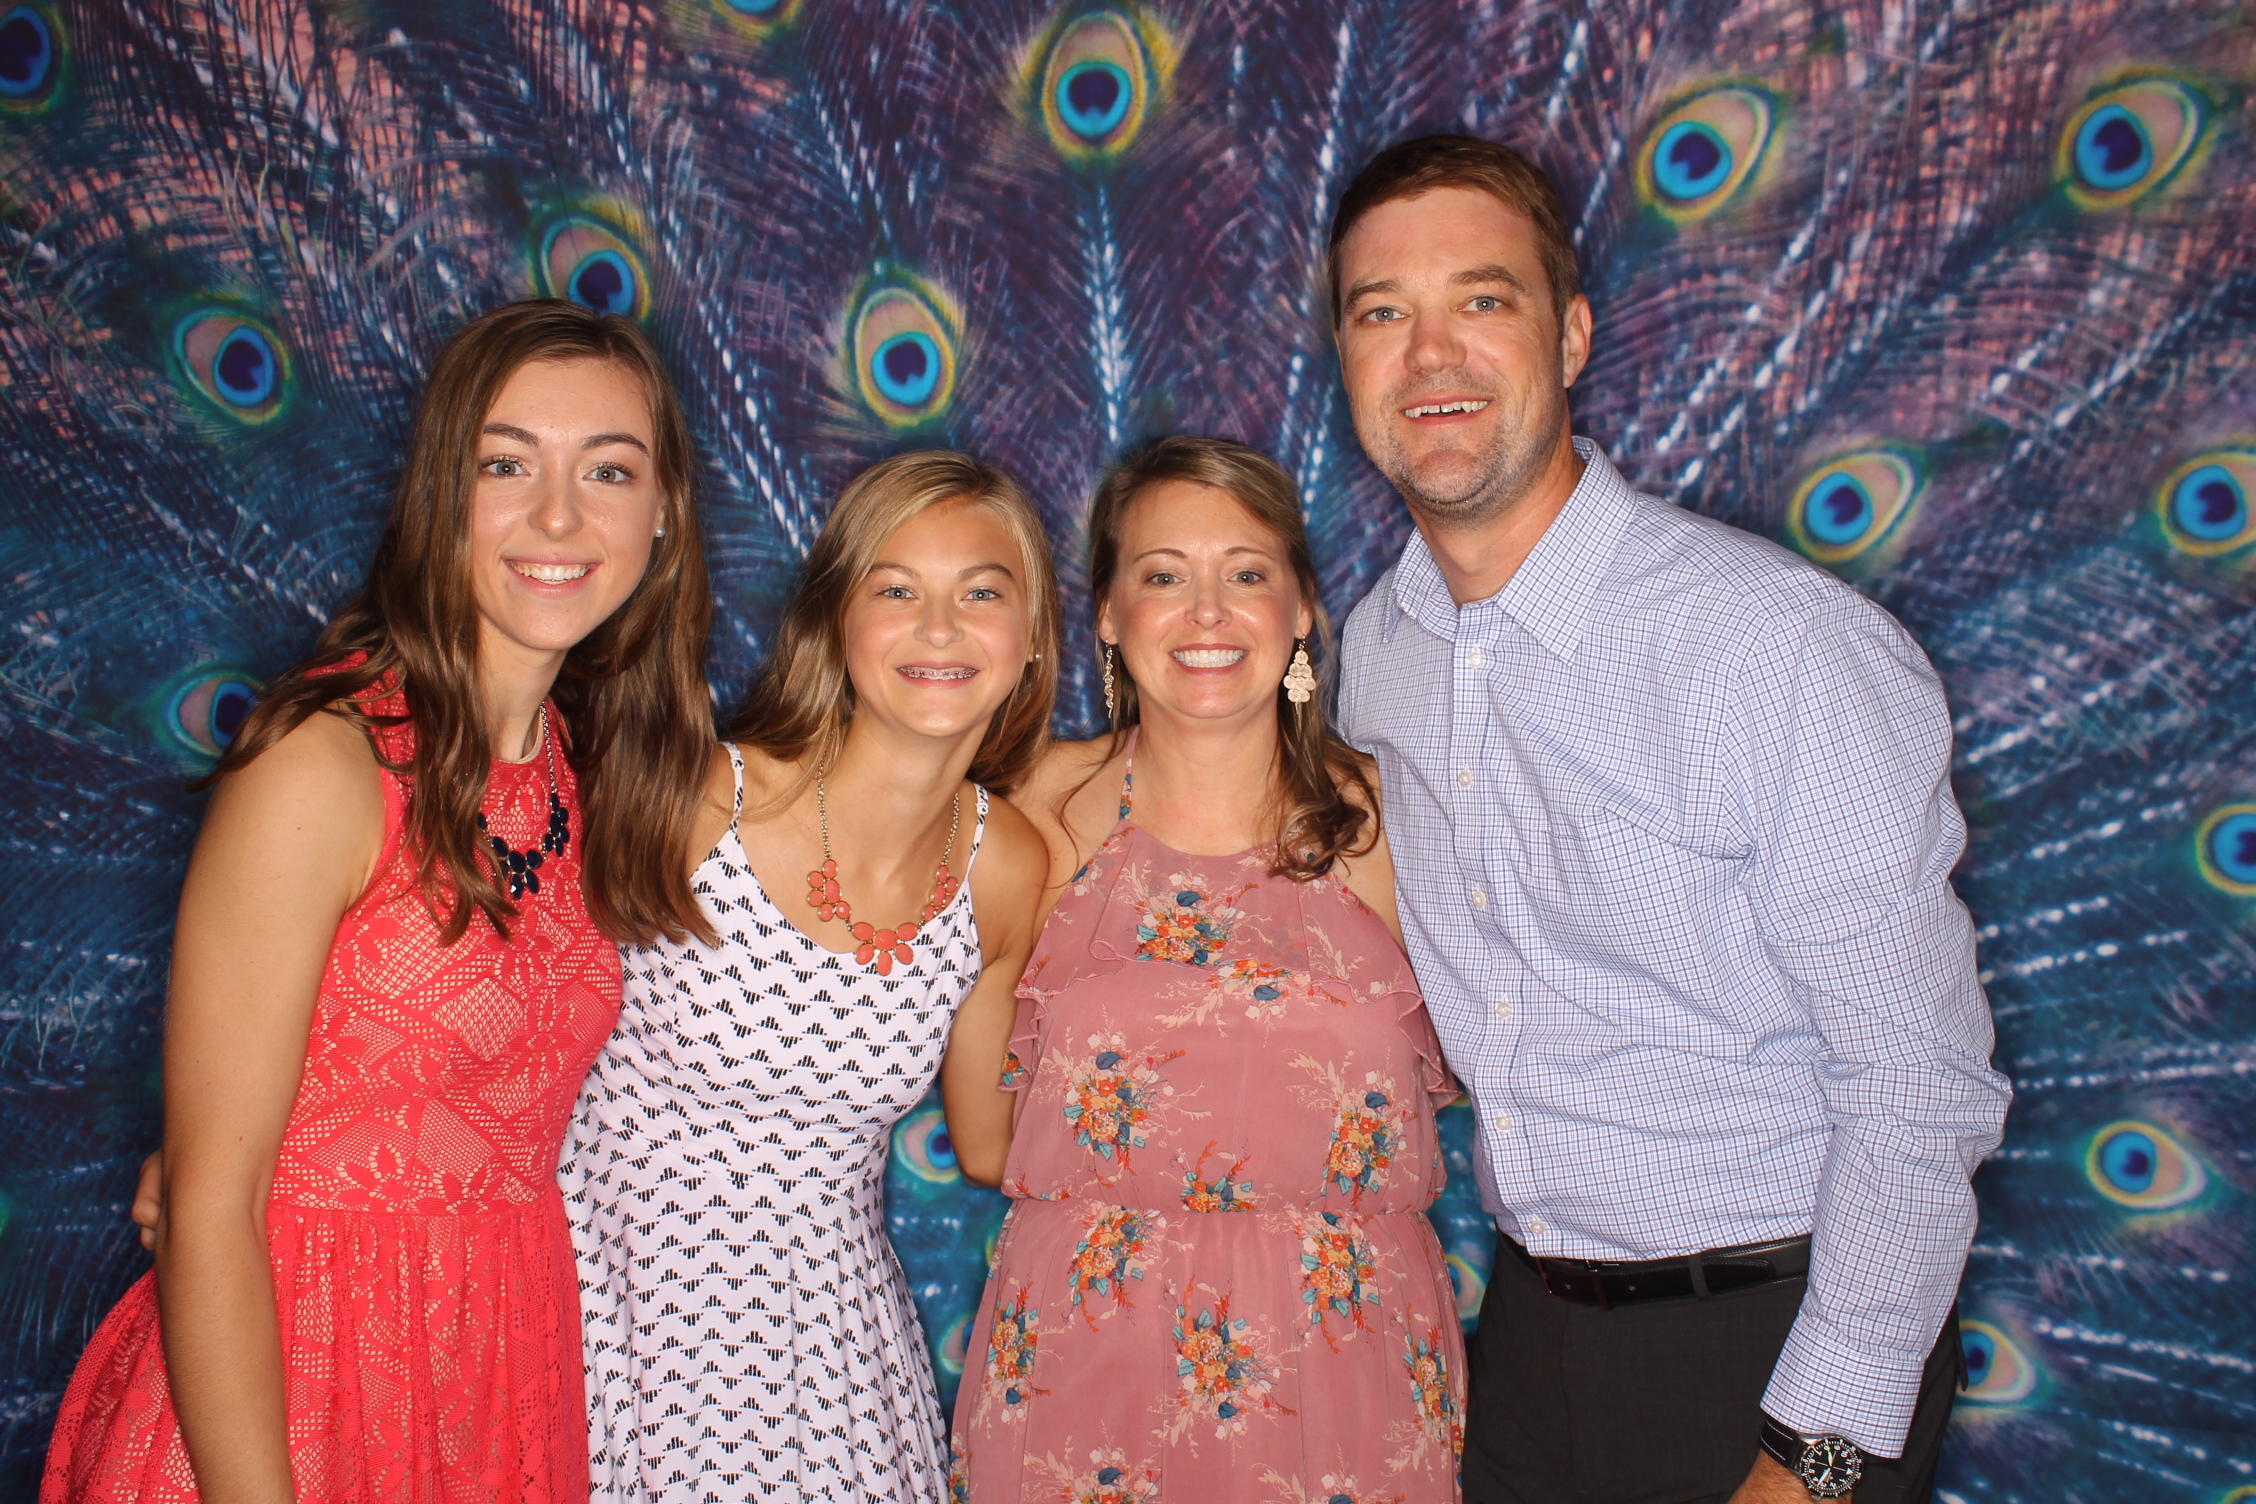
(1998, 1372)
(921, 1143)
(31, 57)
(1095, 80)
(2224, 847)
(205, 711)
(2141, 1166)
(2203, 505)
(2125, 142)
(1470, 1283)
(948, 1348)
(588, 260)
(755, 19)
(1847, 506)
(901, 349)
(1702, 153)
(239, 364)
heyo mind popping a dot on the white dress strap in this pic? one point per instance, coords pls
(978, 831)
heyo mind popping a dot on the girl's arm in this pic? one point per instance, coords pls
(1007, 901)
(286, 847)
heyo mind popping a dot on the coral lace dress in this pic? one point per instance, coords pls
(422, 1267)
(1216, 1281)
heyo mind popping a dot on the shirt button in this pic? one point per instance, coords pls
(1464, 778)
(1480, 899)
(1473, 658)
(1504, 1009)
(1538, 1227)
(1503, 1123)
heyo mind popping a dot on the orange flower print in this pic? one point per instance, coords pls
(1433, 1395)
(959, 1471)
(1011, 1349)
(1262, 991)
(1367, 1132)
(1339, 1274)
(1107, 1257)
(1184, 923)
(1110, 1478)
(1332, 1488)
(1221, 1373)
(1111, 1097)
(1014, 1071)
(1224, 1193)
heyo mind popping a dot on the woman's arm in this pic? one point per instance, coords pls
(286, 848)
(1007, 900)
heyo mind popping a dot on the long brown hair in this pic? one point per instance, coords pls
(799, 708)
(1317, 821)
(631, 693)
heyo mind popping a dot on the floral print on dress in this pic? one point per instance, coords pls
(1184, 922)
(1339, 1273)
(1011, 1349)
(1222, 1375)
(1433, 1395)
(1110, 1478)
(1331, 1488)
(1367, 1130)
(1111, 1097)
(1109, 1255)
(1222, 1193)
(959, 1471)
(1218, 1185)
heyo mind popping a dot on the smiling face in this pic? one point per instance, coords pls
(1456, 364)
(563, 509)
(941, 627)
(1205, 606)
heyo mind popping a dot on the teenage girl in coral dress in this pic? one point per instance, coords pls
(1217, 1280)
(395, 959)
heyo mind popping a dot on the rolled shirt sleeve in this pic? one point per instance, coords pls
(1844, 748)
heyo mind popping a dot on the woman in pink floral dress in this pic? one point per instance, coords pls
(1217, 1281)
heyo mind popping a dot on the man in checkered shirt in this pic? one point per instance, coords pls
(1673, 833)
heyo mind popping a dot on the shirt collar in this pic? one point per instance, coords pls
(1551, 592)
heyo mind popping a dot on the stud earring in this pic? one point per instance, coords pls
(1300, 679)
(660, 533)
(1112, 692)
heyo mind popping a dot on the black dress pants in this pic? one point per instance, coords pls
(1650, 1404)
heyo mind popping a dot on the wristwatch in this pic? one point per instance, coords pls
(1829, 1466)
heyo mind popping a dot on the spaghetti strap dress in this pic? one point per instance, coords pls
(1216, 1279)
(422, 1270)
(749, 1332)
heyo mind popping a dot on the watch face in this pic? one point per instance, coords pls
(1831, 1466)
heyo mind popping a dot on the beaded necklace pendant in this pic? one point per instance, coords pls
(521, 869)
(879, 948)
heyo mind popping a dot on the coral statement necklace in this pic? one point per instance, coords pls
(879, 948)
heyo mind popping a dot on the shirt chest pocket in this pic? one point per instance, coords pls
(1623, 882)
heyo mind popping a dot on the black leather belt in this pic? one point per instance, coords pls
(1716, 1271)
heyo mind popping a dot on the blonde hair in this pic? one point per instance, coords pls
(800, 706)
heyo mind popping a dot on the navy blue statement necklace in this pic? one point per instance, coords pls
(522, 868)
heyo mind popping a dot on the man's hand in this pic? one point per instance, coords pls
(1770, 1483)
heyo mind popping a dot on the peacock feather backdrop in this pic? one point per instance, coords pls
(1955, 297)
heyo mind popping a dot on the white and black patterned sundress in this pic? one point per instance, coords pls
(749, 1334)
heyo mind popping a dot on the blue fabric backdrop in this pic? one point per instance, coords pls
(1954, 297)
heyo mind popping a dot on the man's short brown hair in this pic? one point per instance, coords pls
(1410, 168)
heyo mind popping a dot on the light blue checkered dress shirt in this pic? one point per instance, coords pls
(1673, 834)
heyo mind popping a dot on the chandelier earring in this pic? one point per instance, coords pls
(1300, 679)
(1111, 689)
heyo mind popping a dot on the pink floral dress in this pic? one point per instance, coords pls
(1216, 1281)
